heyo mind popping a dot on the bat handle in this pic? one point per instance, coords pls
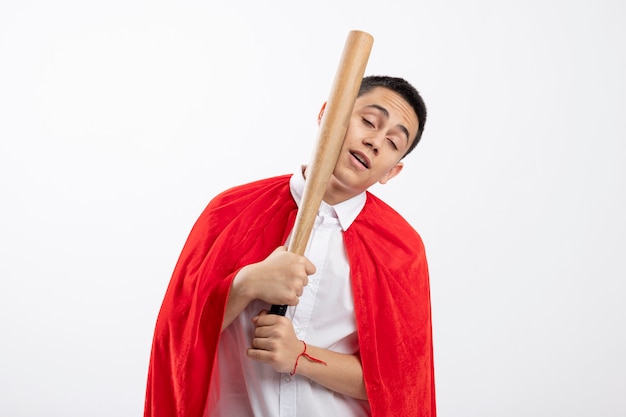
(280, 310)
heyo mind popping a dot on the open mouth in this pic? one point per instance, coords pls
(361, 158)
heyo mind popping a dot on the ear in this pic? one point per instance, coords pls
(321, 113)
(395, 170)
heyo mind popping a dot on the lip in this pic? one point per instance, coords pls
(361, 157)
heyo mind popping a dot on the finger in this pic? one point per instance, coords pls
(269, 320)
(264, 332)
(265, 343)
(275, 331)
(259, 355)
(263, 318)
(256, 318)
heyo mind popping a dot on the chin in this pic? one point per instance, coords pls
(346, 183)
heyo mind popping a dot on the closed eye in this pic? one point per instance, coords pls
(367, 122)
(393, 144)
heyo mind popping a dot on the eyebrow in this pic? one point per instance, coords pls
(385, 112)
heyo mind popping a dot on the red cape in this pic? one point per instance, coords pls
(244, 225)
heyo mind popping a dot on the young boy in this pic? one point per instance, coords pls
(356, 339)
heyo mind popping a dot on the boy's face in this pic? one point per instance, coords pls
(381, 129)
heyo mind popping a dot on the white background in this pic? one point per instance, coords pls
(119, 120)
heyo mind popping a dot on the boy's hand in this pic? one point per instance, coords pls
(275, 342)
(278, 279)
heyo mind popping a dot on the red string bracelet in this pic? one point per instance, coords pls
(309, 357)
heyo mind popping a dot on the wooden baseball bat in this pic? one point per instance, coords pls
(330, 136)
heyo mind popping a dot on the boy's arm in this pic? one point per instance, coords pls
(276, 344)
(342, 373)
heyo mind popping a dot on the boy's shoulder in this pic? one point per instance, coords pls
(379, 216)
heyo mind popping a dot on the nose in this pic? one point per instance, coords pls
(374, 142)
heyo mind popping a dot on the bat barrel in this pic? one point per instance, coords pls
(330, 136)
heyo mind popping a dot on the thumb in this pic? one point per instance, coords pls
(309, 268)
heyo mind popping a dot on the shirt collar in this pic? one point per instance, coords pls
(346, 211)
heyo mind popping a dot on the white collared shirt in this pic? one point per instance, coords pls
(324, 317)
